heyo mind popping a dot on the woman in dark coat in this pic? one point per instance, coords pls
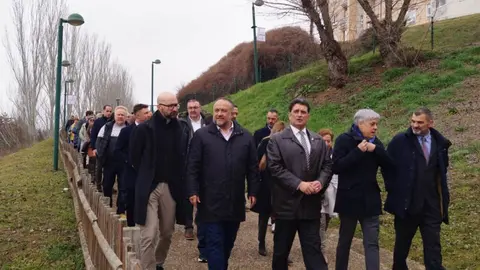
(264, 206)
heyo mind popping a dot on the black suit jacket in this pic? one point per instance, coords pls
(204, 122)
(122, 150)
(260, 134)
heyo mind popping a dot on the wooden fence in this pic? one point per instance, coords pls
(107, 242)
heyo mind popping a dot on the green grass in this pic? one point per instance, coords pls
(394, 93)
(448, 34)
(37, 219)
(399, 91)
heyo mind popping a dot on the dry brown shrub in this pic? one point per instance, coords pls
(13, 134)
(286, 49)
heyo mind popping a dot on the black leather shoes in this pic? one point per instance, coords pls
(262, 250)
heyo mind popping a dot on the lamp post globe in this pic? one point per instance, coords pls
(259, 3)
(65, 63)
(75, 19)
(157, 61)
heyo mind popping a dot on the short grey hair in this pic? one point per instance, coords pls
(365, 115)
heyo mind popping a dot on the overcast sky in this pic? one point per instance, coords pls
(188, 36)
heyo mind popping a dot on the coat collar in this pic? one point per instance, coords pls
(438, 137)
(287, 133)
(158, 118)
(189, 121)
(313, 137)
(237, 129)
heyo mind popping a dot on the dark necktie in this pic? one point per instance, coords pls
(303, 141)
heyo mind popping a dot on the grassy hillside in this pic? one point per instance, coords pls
(448, 82)
(37, 220)
(448, 35)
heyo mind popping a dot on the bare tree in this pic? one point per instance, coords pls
(52, 11)
(26, 57)
(318, 14)
(76, 69)
(100, 81)
(88, 54)
(32, 55)
(388, 30)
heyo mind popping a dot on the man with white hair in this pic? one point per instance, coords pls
(356, 157)
(112, 164)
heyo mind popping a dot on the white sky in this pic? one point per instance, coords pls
(188, 36)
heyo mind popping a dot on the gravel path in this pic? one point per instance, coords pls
(183, 254)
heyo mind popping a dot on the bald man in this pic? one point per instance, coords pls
(221, 156)
(158, 150)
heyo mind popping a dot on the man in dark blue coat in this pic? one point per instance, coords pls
(195, 120)
(272, 118)
(97, 125)
(417, 189)
(221, 156)
(140, 114)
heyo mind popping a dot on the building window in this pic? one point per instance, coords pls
(411, 17)
(440, 3)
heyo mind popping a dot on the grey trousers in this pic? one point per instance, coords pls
(160, 223)
(324, 220)
(370, 229)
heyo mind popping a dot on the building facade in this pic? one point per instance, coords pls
(350, 21)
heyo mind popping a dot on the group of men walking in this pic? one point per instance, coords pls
(167, 166)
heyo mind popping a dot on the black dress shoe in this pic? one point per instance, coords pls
(262, 250)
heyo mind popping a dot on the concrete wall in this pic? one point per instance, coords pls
(457, 8)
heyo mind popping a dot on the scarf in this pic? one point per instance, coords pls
(357, 131)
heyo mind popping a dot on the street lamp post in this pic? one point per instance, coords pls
(156, 62)
(65, 63)
(257, 3)
(65, 100)
(74, 20)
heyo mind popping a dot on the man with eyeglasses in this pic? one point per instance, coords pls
(158, 151)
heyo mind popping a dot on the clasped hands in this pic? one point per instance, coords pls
(366, 146)
(310, 187)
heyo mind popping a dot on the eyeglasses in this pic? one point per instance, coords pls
(170, 106)
(193, 108)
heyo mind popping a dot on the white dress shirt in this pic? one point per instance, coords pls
(227, 134)
(196, 124)
(115, 130)
(296, 132)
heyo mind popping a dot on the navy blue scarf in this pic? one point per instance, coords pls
(357, 131)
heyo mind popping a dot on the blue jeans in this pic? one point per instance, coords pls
(220, 240)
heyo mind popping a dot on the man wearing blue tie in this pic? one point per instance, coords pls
(417, 188)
